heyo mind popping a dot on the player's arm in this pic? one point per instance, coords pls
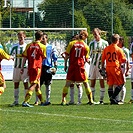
(65, 62)
(23, 63)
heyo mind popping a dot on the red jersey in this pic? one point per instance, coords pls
(35, 52)
(78, 52)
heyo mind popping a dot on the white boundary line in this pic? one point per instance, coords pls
(70, 116)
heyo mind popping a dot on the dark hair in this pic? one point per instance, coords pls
(45, 34)
(122, 40)
(38, 35)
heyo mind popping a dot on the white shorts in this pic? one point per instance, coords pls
(94, 72)
(17, 76)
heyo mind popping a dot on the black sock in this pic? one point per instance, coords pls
(110, 92)
(116, 91)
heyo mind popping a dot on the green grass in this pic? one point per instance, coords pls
(65, 119)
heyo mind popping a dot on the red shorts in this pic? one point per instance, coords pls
(114, 76)
(34, 75)
(76, 74)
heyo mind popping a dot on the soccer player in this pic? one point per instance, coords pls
(131, 53)
(3, 55)
(125, 69)
(77, 52)
(18, 48)
(35, 52)
(79, 85)
(46, 77)
(114, 57)
(96, 47)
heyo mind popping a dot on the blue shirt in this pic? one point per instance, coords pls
(51, 57)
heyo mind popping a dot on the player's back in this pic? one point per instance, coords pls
(35, 54)
(78, 52)
(114, 55)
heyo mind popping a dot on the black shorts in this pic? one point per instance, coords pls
(46, 78)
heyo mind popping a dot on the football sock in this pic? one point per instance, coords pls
(110, 92)
(48, 91)
(64, 93)
(28, 95)
(116, 91)
(102, 92)
(123, 93)
(25, 90)
(80, 93)
(93, 92)
(16, 94)
(39, 94)
(72, 94)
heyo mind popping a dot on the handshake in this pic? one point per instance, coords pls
(103, 72)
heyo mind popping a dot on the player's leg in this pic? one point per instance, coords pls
(102, 91)
(80, 92)
(65, 92)
(92, 86)
(88, 92)
(71, 94)
(16, 80)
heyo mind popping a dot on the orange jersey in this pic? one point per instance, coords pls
(113, 55)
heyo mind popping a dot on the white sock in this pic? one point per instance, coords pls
(25, 90)
(93, 92)
(123, 93)
(16, 94)
(72, 94)
(80, 93)
(48, 92)
(102, 92)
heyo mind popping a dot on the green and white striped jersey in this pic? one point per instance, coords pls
(18, 49)
(126, 51)
(96, 49)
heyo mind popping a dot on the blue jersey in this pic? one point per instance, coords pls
(51, 55)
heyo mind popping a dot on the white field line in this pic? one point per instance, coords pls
(69, 116)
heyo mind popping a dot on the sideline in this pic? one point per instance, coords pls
(70, 116)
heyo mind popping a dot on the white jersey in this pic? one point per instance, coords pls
(18, 49)
(96, 49)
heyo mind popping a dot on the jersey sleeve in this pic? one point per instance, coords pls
(4, 55)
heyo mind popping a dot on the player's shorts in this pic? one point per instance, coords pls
(114, 76)
(77, 74)
(46, 78)
(34, 75)
(94, 72)
(2, 81)
(17, 76)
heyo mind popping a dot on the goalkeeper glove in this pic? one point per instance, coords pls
(103, 72)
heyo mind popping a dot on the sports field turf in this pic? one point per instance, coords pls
(64, 119)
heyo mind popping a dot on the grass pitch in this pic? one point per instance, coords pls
(64, 119)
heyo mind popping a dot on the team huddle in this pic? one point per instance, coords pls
(35, 63)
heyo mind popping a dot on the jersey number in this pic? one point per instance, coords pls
(33, 54)
(78, 52)
(111, 56)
